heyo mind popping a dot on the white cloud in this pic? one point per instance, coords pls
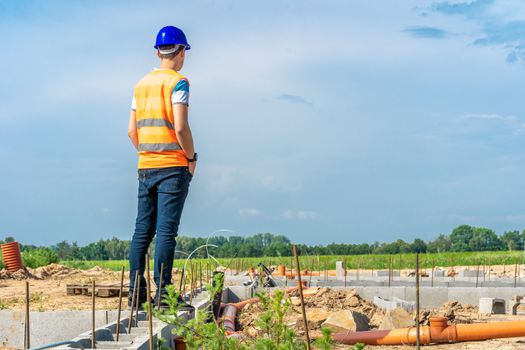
(489, 116)
(299, 214)
(286, 185)
(250, 212)
(490, 122)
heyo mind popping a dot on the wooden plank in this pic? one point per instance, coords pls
(103, 291)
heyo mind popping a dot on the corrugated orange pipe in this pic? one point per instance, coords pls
(11, 256)
(437, 332)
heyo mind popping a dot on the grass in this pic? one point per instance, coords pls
(370, 261)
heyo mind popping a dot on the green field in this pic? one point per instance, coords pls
(371, 261)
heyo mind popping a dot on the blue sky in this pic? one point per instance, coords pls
(341, 121)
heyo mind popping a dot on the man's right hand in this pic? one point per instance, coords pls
(191, 167)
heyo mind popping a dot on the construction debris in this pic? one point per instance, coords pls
(346, 320)
(397, 318)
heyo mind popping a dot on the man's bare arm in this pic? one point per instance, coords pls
(132, 129)
(183, 131)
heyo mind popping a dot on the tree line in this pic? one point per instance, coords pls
(462, 239)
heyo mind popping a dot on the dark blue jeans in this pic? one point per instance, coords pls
(161, 197)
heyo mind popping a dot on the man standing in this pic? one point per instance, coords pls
(159, 130)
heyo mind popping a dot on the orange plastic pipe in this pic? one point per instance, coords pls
(437, 332)
(11, 256)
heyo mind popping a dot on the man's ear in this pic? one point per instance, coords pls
(182, 53)
(158, 53)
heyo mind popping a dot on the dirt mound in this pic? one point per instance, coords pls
(319, 306)
(95, 270)
(52, 270)
(39, 273)
(454, 311)
(21, 274)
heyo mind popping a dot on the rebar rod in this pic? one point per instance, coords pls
(120, 301)
(302, 297)
(137, 303)
(93, 314)
(148, 300)
(390, 271)
(182, 273)
(133, 294)
(432, 272)
(159, 296)
(344, 266)
(27, 338)
(418, 336)
(515, 274)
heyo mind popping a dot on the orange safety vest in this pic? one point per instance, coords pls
(158, 144)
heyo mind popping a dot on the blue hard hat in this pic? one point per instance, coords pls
(171, 35)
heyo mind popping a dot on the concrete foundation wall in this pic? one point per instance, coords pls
(49, 326)
(437, 296)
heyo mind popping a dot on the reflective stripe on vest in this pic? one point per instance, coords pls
(159, 147)
(154, 122)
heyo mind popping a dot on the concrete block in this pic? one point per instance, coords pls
(384, 273)
(394, 303)
(491, 306)
(439, 273)
(471, 273)
(516, 301)
(339, 269)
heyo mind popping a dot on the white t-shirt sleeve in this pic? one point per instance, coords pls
(181, 93)
(133, 104)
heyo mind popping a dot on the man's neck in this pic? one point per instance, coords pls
(168, 64)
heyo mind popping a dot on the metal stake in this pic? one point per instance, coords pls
(135, 293)
(148, 299)
(181, 281)
(477, 276)
(27, 342)
(344, 264)
(160, 286)
(432, 272)
(120, 301)
(515, 274)
(309, 346)
(418, 337)
(390, 271)
(137, 301)
(93, 314)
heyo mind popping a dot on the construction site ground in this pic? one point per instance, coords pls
(48, 293)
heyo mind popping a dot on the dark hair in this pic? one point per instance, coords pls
(168, 47)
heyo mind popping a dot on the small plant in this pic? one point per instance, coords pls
(277, 335)
(198, 333)
(36, 297)
(3, 304)
(325, 342)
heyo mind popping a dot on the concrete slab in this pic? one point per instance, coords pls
(44, 325)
